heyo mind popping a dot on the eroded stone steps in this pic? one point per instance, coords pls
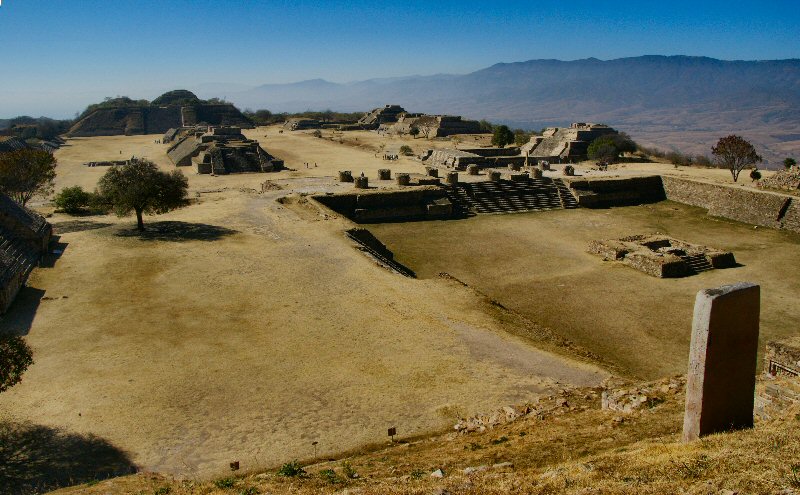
(511, 196)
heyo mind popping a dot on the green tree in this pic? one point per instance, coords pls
(414, 131)
(15, 357)
(72, 199)
(486, 126)
(789, 162)
(502, 136)
(406, 150)
(141, 187)
(735, 153)
(521, 137)
(603, 148)
(27, 172)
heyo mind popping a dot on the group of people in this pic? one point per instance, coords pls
(308, 165)
(387, 156)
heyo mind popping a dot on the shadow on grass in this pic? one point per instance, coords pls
(178, 232)
(35, 459)
(78, 226)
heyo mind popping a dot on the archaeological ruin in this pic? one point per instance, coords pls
(662, 256)
(24, 239)
(179, 108)
(565, 144)
(221, 150)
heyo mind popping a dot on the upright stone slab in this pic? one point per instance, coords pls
(721, 383)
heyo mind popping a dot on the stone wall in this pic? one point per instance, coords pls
(424, 202)
(603, 193)
(746, 205)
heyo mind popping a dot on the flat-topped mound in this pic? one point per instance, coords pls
(180, 108)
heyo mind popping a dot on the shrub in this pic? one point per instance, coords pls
(330, 476)
(225, 482)
(72, 199)
(291, 469)
(317, 133)
(406, 150)
(789, 162)
(755, 174)
(349, 472)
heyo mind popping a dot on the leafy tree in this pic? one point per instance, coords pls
(139, 186)
(27, 172)
(603, 148)
(502, 136)
(521, 137)
(15, 357)
(789, 163)
(72, 199)
(735, 153)
(406, 150)
(755, 175)
(414, 131)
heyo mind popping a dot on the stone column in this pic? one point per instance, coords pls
(384, 174)
(494, 176)
(473, 169)
(432, 171)
(403, 179)
(722, 360)
(536, 173)
(452, 178)
(345, 176)
(361, 182)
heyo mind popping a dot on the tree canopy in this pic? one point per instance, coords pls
(789, 162)
(502, 136)
(15, 357)
(27, 172)
(735, 153)
(141, 187)
(610, 146)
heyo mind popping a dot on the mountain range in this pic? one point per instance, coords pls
(671, 102)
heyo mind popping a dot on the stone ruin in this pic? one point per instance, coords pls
(449, 158)
(381, 115)
(300, 124)
(788, 180)
(179, 108)
(565, 143)
(781, 385)
(662, 256)
(431, 126)
(222, 150)
(24, 239)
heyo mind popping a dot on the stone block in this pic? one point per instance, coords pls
(362, 182)
(384, 174)
(345, 176)
(494, 176)
(432, 171)
(569, 170)
(403, 179)
(473, 169)
(452, 178)
(722, 360)
(536, 173)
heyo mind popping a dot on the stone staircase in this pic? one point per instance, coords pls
(511, 196)
(697, 263)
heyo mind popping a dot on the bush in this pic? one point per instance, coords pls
(755, 174)
(789, 163)
(502, 136)
(317, 133)
(406, 150)
(330, 476)
(225, 482)
(291, 470)
(72, 199)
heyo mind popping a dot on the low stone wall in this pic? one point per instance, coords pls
(386, 206)
(766, 209)
(603, 193)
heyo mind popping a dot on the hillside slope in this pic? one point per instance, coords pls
(674, 102)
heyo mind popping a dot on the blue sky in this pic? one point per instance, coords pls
(59, 55)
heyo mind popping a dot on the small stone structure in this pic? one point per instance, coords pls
(788, 180)
(566, 143)
(662, 256)
(419, 203)
(345, 176)
(452, 178)
(479, 157)
(536, 173)
(24, 239)
(431, 126)
(384, 174)
(300, 124)
(494, 175)
(606, 192)
(780, 387)
(432, 171)
(361, 182)
(222, 150)
(473, 170)
(403, 179)
(722, 360)
(381, 115)
(569, 170)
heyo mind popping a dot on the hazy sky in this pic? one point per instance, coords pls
(59, 55)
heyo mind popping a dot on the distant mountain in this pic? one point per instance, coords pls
(673, 102)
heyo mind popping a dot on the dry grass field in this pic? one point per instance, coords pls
(238, 329)
(241, 328)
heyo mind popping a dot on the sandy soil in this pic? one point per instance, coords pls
(240, 329)
(536, 264)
